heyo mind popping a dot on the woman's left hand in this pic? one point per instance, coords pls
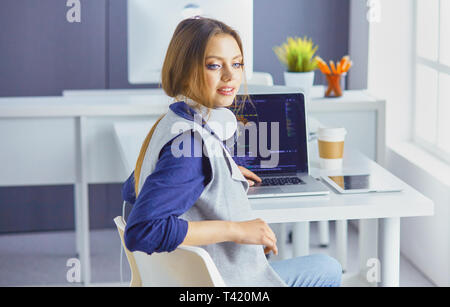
(249, 175)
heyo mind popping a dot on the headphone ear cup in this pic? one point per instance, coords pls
(223, 122)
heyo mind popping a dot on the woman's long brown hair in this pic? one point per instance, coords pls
(183, 71)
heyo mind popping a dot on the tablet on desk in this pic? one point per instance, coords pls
(363, 183)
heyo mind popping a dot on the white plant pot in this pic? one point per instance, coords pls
(302, 80)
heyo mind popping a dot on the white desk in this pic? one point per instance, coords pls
(71, 140)
(387, 207)
(364, 117)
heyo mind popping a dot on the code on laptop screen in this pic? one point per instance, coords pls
(272, 134)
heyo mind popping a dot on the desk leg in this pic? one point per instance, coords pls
(341, 243)
(78, 218)
(82, 231)
(300, 239)
(81, 200)
(324, 233)
(367, 241)
(389, 251)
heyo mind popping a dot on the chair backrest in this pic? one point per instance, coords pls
(187, 266)
(261, 78)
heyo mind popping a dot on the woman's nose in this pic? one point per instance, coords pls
(227, 74)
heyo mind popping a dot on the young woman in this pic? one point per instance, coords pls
(200, 199)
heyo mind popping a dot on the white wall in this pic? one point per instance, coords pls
(389, 69)
(424, 240)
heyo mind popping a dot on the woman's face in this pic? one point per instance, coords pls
(223, 69)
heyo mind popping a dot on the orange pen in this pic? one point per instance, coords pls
(333, 68)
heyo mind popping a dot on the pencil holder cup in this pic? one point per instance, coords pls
(334, 85)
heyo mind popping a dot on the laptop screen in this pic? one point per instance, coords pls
(272, 134)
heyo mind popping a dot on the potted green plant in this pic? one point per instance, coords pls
(297, 54)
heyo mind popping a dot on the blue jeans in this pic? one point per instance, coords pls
(317, 270)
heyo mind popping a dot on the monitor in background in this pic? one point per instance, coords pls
(151, 25)
(289, 111)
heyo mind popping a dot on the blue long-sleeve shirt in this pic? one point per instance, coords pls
(170, 190)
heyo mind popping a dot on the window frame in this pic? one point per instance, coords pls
(439, 68)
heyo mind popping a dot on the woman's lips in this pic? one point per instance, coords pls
(226, 91)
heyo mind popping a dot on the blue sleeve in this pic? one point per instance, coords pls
(128, 193)
(170, 190)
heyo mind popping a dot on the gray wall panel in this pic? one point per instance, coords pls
(47, 208)
(358, 45)
(41, 53)
(325, 21)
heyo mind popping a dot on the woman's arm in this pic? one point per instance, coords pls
(208, 232)
(169, 191)
(173, 187)
(248, 232)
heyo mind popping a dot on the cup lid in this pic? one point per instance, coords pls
(331, 132)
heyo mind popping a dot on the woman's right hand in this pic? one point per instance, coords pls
(256, 232)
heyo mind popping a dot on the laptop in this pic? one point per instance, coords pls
(281, 160)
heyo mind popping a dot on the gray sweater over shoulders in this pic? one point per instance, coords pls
(224, 198)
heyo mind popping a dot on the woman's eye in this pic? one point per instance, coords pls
(217, 66)
(213, 66)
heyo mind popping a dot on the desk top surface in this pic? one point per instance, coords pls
(408, 202)
(153, 102)
(58, 106)
(336, 206)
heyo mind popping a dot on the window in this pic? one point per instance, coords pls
(432, 76)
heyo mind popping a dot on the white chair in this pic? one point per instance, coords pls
(187, 266)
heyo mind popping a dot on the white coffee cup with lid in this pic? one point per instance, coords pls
(331, 147)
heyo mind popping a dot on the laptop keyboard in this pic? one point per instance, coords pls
(279, 181)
